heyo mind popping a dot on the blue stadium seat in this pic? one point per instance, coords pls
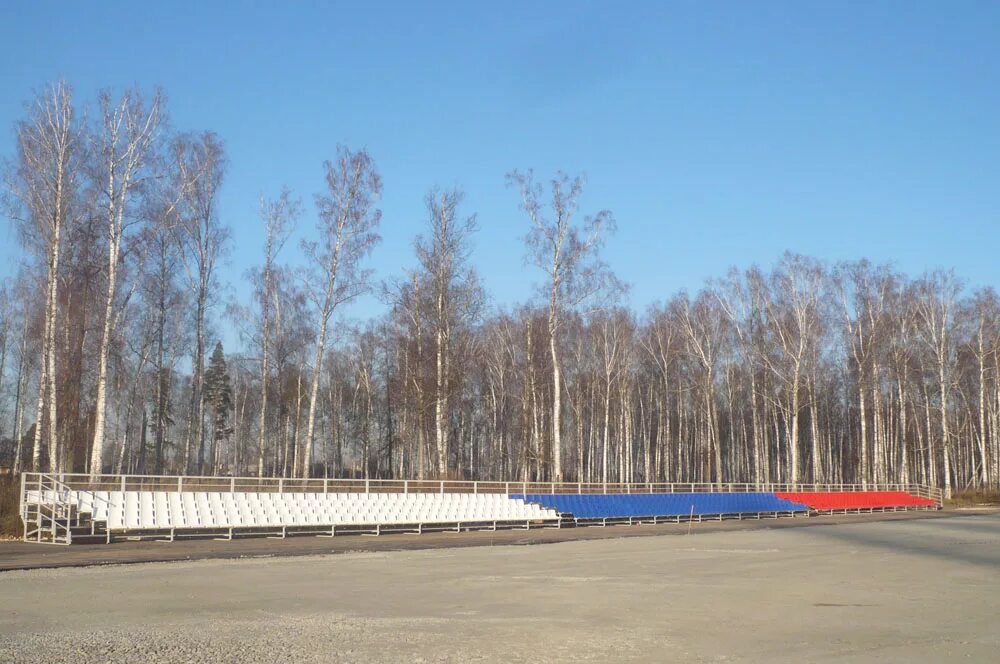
(617, 506)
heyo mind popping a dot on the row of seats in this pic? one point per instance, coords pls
(853, 500)
(123, 510)
(609, 506)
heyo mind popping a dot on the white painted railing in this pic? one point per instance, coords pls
(46, 514)
(331, 485)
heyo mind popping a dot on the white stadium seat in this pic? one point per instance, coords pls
(158, 510)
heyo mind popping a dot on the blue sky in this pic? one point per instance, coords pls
(719, 134)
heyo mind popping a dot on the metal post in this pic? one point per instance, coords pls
(475, 487)
(180, 483)
(24, 508)
(52, 517)
(123, 483)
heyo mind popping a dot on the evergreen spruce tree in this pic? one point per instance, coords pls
(161, 422)
(219, 399)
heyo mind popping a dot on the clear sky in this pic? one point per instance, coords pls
(718, 133)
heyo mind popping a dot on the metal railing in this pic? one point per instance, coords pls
(86, 482)
(46, 513)
(929, 492)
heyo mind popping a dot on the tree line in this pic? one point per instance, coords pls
(801, 373)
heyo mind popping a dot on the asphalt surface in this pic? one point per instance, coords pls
(903, 589)
(16, 555)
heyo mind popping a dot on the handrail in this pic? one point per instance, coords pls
(170, 483)
(46, 488)
(57, 484)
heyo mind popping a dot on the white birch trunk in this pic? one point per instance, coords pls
(557, 474)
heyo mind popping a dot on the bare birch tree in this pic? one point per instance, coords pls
(864, 292)
(706, 328)
(348, 224)
(24, 363)
(795, 313)
(49, 144)
(444, 255)
(199, 163)
(279, 217)
(121, 147)
(569, 254)
(936, 296)
(6, 327)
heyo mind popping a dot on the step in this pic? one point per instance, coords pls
(75, 525)
(49, 507)
(46, 538)
(90, 539)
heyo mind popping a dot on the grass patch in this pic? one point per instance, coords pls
(975, 497)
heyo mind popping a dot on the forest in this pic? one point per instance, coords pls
(111, 359)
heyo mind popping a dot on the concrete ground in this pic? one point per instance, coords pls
(906, 590)
(16, 555)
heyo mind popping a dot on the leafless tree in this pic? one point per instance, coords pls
(569, 254)
(792, 373)
(348, 224)
(863, 291)
(199, 166)
(936, 296)
(795, 311)
(279, 217)
(20, 292)
(46, 182)
(121, 148)
(6, 327)
(444, 256)
(705, 325)
(164, 303)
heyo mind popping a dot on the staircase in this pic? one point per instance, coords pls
(51, 517)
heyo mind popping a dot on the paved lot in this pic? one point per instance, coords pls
(910, 590)
(16, 555)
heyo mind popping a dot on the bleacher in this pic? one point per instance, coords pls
(62, 509)
(655, 506)
(855, 501)
(193, 513)
(150, 510)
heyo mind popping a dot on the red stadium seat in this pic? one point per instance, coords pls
(854, 500)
